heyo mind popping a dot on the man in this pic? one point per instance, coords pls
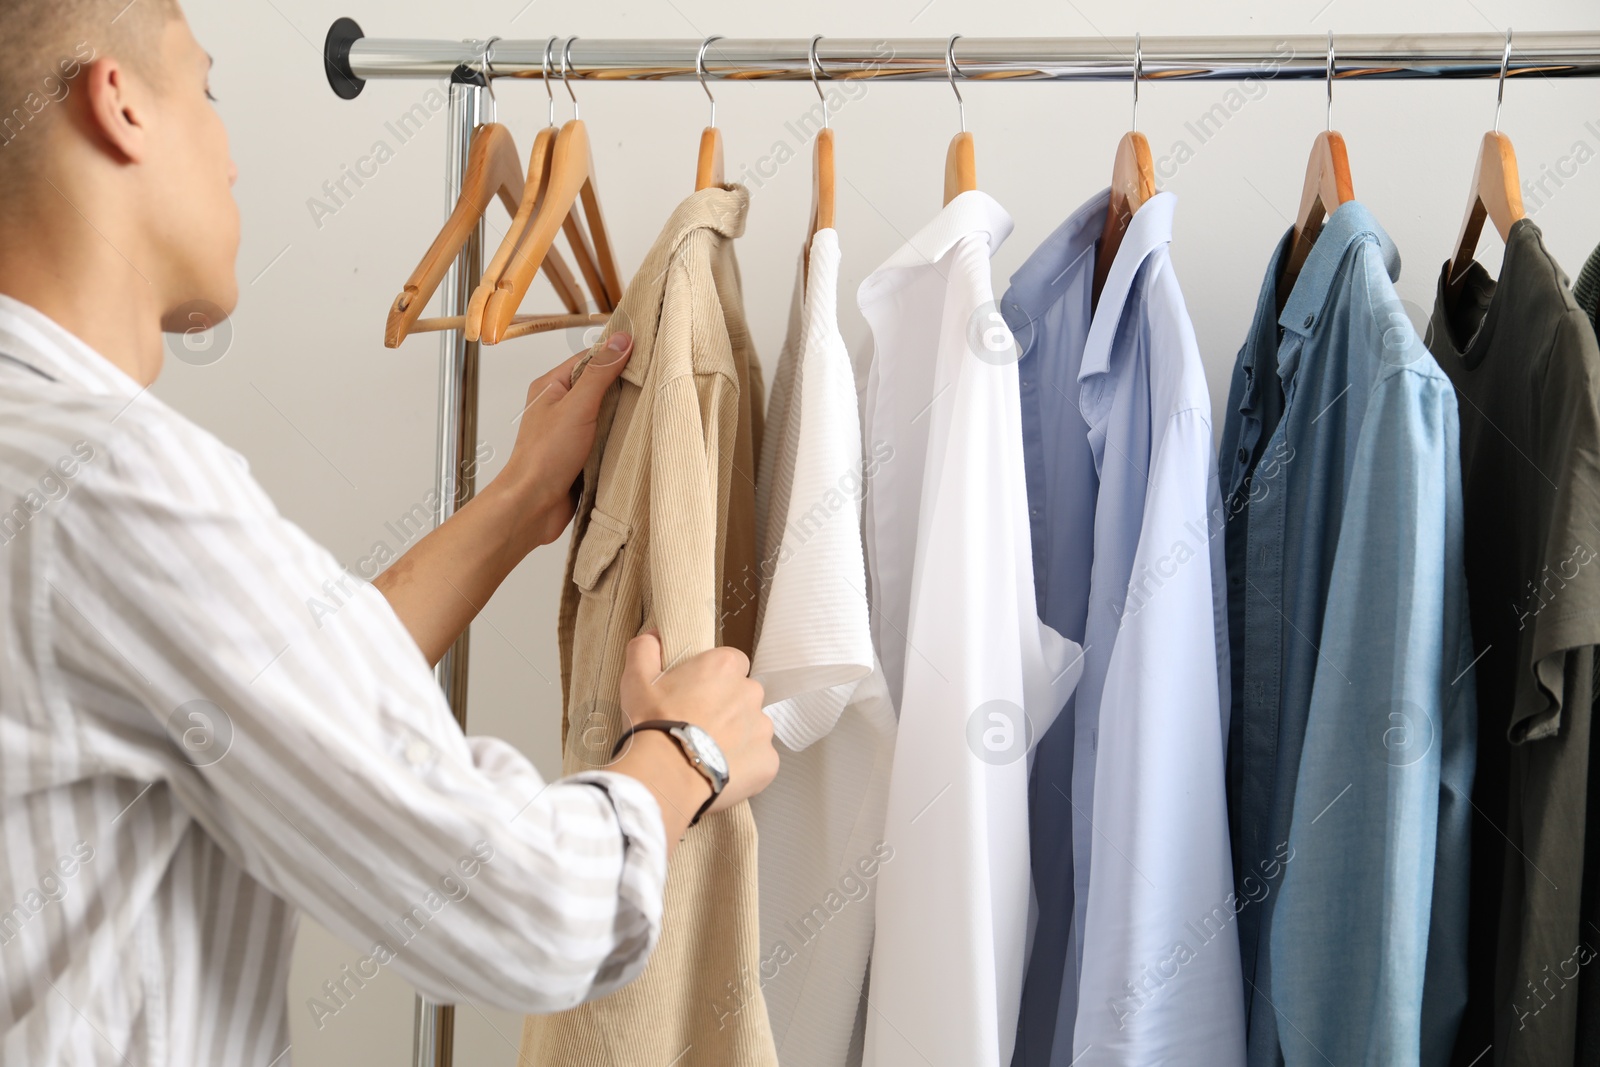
(187, 755)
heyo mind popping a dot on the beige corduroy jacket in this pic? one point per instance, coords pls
(665, 536)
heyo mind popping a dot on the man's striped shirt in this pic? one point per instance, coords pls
(189, 754)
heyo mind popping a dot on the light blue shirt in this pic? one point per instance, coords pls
(1122, 489)
(1353, 721)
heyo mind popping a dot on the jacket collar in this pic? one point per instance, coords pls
(721, 209)
(974, 211)
(1350, 223)
(31, 338)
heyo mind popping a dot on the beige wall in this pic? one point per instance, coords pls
(341, 430)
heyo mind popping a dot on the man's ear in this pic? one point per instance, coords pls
(115, 108)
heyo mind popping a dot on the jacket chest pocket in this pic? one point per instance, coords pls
(596, 567)
(602, 627)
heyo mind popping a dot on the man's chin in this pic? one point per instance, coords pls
(203, 311)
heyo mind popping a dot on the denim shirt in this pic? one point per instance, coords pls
(1351, 737)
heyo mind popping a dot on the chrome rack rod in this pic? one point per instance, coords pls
(351, 59)
(354, 58)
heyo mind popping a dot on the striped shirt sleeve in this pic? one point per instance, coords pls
(311, 741)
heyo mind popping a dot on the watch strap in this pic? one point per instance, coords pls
(667, 726)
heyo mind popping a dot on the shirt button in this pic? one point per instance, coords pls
(1243, 456)
(418, 752)
(1310, 319)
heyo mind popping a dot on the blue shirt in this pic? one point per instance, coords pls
(1121, 480)
(1351, 733)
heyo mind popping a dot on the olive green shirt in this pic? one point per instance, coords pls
(1526, 368)
(1587, 288)
(1587, 293)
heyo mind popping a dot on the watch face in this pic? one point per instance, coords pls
(706, 749)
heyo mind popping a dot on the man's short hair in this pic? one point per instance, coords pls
(45, 44)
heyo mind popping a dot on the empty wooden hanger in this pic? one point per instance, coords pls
(1495, 193)
(1133, 181)
(1327, 185)
(960, 159)
(553, 266)
(570, 182)
(821, 166)
(493, 169)
(708, 168)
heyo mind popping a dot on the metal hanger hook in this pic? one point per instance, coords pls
(544, 75)
(951, 70)
(1500, 92)
(816, 67)
(566, 65)
(486, 64)
(1138, 72)
(1327, 115)
(700, 73)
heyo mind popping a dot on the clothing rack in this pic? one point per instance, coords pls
(351, 59)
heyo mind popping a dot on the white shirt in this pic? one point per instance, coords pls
(1156, 932)
(206, 723)
(821, 820)
(978, 675)
(814, 637)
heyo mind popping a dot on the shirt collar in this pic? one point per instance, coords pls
(32, 338)
(1040, 282)
(1350, 223)
(974, 211)
(1149, 229)
(822, 276)
(1263, 337)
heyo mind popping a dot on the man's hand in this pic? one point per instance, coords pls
(713, 691)
(443, 580)
(554, 440)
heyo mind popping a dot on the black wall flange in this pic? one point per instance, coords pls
(336, 58)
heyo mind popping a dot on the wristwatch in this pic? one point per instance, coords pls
(698, 747)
